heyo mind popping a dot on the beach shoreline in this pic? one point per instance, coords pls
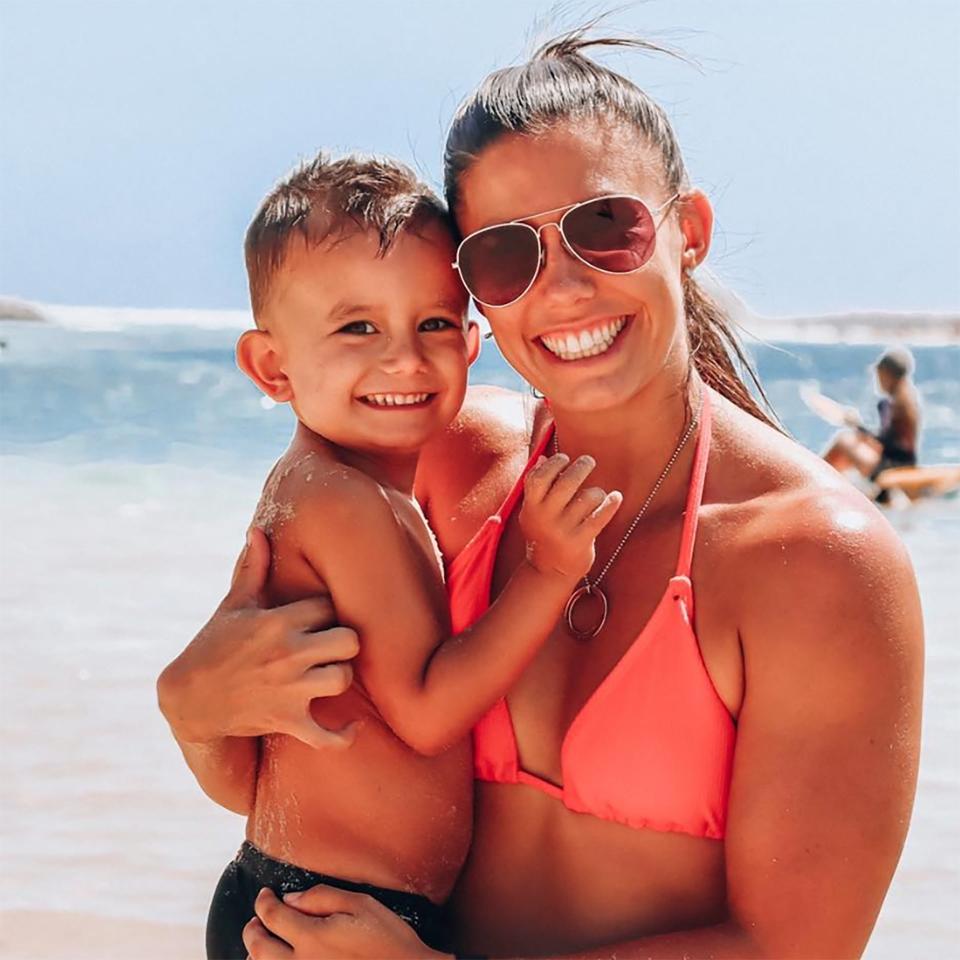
(57, 934)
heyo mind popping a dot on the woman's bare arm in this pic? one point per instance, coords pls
(827, 741)
(252, 671)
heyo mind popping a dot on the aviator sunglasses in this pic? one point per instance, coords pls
(614, 234)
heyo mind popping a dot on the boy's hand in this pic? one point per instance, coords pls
(560, 519)
(252, 671)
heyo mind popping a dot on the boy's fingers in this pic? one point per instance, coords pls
(600, 517)
(541, 477)
(583, 504)
(566, 486)
(249, 573)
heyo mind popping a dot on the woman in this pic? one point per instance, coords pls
(715, 753)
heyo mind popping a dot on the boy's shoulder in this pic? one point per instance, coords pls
(305, 488)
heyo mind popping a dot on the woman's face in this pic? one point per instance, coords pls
(521, 175)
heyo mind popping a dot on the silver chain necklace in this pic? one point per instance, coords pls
(592, 587)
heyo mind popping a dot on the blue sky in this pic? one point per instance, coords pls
(136, 138)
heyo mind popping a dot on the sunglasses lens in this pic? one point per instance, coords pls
(616, 234)
(497, 265)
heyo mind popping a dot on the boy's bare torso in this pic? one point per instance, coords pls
(375, 811)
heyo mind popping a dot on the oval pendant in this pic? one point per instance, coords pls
(575, 598)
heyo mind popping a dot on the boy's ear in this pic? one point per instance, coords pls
(258, 358)
(473, 341)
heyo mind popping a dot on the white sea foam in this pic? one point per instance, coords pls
(861, 326)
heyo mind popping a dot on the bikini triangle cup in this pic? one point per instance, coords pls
(652, 747)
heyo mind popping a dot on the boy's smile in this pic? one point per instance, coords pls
(392, 401)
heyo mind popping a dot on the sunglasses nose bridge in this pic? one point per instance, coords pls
(564, 242)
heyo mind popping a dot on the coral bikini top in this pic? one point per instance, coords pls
(653, 745)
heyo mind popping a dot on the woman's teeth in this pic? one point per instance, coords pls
(587, 343)
(395, 399)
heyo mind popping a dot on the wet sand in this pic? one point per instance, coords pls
(42, 935)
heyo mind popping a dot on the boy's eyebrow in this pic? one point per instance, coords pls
(452, 305)
(345, 308)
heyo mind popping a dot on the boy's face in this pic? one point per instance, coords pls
(372, 352)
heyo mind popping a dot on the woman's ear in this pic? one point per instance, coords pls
(696, 225)
(259, 359)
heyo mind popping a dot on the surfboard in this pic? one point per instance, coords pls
(936, 480)
(826, 409)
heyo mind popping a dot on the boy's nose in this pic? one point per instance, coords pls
(403, 355)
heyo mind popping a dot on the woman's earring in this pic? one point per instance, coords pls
(488, 335)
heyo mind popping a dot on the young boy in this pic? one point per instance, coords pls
(361, 328)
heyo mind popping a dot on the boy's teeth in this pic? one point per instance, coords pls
(589, 343)
(396, 399)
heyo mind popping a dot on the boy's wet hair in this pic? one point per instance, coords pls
(324, 199)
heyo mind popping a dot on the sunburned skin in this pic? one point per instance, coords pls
(325, 810)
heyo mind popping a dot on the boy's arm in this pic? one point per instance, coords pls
(428, 688)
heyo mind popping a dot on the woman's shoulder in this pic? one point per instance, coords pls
(756, 469)
(465, 473)
(794, 530)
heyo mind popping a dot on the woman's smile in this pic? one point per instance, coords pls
(592, 338)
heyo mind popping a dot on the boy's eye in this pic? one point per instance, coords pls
(358, 326)
(438, 323)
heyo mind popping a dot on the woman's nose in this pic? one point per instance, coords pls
(562, 275)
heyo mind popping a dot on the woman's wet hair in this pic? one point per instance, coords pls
(559, 83)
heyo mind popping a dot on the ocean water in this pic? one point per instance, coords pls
(130, 462)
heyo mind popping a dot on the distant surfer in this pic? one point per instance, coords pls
(895, 443)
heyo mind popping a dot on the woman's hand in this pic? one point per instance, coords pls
(328, 922)
(252, 671)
